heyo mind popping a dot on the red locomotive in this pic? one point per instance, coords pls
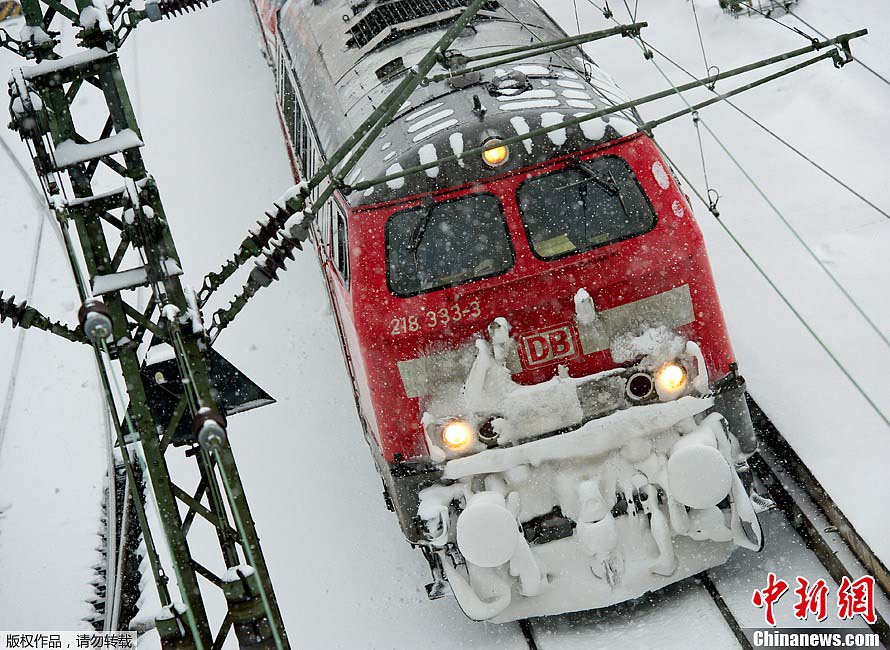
(536, 345)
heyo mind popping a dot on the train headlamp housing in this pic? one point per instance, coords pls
(671, 380)
(495, 154)
(458, 435)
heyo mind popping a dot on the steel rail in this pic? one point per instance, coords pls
(528, 633)
(779, 452)
(705, 580)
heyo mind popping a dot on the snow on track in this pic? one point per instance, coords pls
(51, 460)
(653, 622)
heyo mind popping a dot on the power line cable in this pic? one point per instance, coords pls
(777, 137)
(781, 295)
(811, 38)
(701, 41)
(585, 74)
(723, 225)
(859, 61)
(36, 193)
(20, 342)
(800, 239)
(647, 45)
(577, 17)
(712, 207)
(797, 31)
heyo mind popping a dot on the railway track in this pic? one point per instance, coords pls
(806, 535)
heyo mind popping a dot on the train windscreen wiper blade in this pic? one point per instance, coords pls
(609, 184)
(419, 231)
(618, 192)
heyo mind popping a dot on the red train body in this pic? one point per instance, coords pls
(535, 340)
(534, 296)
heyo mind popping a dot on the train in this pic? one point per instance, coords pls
(539, 359)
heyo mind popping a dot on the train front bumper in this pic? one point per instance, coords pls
(623, 504)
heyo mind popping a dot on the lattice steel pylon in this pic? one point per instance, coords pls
(101, 187)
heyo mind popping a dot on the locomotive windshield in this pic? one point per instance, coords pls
(591, 204)
(447, 243)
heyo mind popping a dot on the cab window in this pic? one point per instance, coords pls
(448, 243)
(589, 204)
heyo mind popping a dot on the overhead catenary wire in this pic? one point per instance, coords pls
(36, 193)
(877, 330)
(712, 207)
(648, 45)
(20, 341)
(701, 40)
(808, 37)
(781, 295)
(859, 61)
(821, 264)
(777, 137)
(797, 31)
(577, 17)
(39, 202)
(568, 64)
(711, 202)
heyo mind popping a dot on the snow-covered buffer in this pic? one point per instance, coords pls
(581, 492)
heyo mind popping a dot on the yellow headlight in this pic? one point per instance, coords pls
(458, 435)
(497, 155)
(671, 378)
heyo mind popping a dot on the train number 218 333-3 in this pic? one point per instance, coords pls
(432, 319)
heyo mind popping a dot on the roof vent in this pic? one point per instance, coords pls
(512, 83)
(391, 69)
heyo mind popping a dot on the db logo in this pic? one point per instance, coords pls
(545, 347)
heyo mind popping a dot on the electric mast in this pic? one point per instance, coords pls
(100, 189)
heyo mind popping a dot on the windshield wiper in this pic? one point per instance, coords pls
(419, 231)
(609, 184)
(619, 193)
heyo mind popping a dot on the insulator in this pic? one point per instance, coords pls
(274, 258)
(170, 8)
(269, 228)
(95, 319)
(209, 427)
(9, 309)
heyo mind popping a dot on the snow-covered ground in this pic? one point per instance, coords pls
(52, 459)
(205, 99)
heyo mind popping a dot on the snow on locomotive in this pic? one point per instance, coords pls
(537, 350)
